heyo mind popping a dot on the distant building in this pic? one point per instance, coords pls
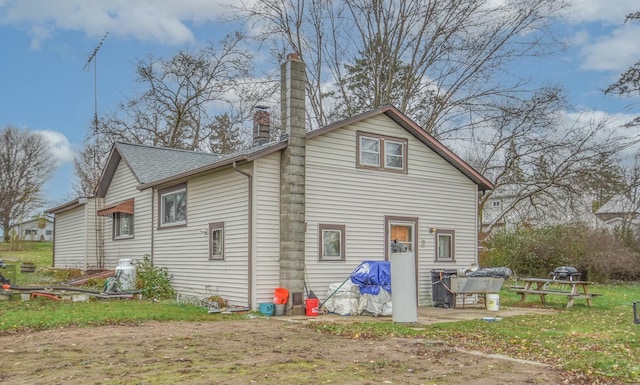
(33, 230)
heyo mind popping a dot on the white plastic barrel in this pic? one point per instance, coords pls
(126, 275)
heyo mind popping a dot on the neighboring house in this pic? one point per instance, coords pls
(302, 212)
(520, 212)
(33, 230)
(619, 212)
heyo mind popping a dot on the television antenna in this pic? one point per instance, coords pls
(94, 58)
(95, 172)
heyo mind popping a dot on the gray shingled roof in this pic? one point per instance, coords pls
(150, 164)
(618, 204)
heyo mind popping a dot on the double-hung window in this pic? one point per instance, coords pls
(216, 240)
(445, 245)
(122, 225)
(122, 214)
(331, 240)
(173, 206)
(381, 152)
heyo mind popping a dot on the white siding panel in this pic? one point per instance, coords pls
(339, 193)
(123, 187)
(266, 227)
(75, 237)
(218, 197)
(70, 243)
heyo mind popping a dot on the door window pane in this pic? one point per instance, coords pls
(401, 238)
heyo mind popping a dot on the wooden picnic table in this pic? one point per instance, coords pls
(540, 286)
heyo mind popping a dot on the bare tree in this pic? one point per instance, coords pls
(543, 164)
(25, 165)
(88, 165)
(443, 63)
(449, 65)
(201, 101)
(181, 96)
(629, 82)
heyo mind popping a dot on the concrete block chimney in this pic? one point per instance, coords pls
(292, 182)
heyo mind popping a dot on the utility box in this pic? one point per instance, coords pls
(441, 293)
(403, 288)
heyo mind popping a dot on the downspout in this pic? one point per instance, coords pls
(153, 222)
(249, 232)
(53, 244)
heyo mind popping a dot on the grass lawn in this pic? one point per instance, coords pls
(598, 341)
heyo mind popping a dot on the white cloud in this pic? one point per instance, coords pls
(601, 11)
(614, 52)
(603, 40)
(146, 20)
(59, 146)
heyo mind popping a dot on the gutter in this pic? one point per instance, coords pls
(249, 232)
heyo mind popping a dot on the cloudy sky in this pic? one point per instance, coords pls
(45, 46)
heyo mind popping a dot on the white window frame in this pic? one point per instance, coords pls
(383, 154)
(216, 253)
(325, 230)
(401, 156)
(363, 151)
(117, 225)
(451, 236)
(164, 195)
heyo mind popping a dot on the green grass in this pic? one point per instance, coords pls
(40, 253)
(43, 313)
(599, 341)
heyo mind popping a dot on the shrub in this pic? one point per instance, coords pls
(152, 281)
(596, 253)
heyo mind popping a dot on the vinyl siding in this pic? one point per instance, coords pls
(123, 187)
(184, 250)
(266, 227)
(75, 237)
(339, 193)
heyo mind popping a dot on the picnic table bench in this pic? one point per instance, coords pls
(539, 286)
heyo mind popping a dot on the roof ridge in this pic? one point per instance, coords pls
(150, 146)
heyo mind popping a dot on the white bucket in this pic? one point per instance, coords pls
(493, 302)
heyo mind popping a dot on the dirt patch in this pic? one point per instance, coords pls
(255, 351)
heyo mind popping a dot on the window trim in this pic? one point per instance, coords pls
(452, 235)
(215, 227)
(322, 227)
(114, 226)
(170, 191)
(382, 140)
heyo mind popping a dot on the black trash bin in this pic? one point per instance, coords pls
(441, 294)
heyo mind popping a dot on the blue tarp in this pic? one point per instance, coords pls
(370, 276)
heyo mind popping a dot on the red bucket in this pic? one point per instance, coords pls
(312, 305)
(280, 296)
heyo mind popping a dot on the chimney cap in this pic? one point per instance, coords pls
(261, 107)
(294, 56)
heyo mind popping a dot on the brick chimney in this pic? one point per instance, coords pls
(261, 126)
(292, 181)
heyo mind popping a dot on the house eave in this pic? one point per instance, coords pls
(68, 206)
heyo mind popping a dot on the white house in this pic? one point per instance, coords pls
(304, 210)
(35, 230)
